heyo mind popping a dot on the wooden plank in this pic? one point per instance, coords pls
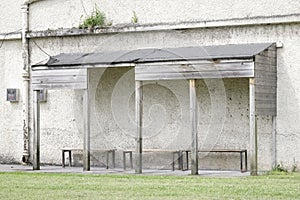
(142, 69)
(265, 89)
(265, 96)
(161, 150)
(139, 124)
(86, 136)
(78, 85)
(196, 62)
(194, 129)
(60, 72)
(266, 82)
(265, 60)
(59, 79)
(224, 150)
(265, 74)
(195, 75)
(268, 53)
(253, 128)
(265, 104)
(36, 130)
(265, 67)
(264, 112)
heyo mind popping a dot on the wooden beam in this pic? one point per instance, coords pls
(36, 130)
(274, 151)
(194, 131)
(139, 124)
(59, 79)
(86, 138)
(253, 128)
(173, 71)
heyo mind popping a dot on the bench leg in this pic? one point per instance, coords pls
(187, 160)
(70, 159)
(113, 155)
(246, 160)
(107, 159)
(124, 161)
(241, 160)
(130, 157)
(180, 160)
(63, 158)
(173, 162)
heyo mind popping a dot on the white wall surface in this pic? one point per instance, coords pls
(11, 125)
(10, 15)
(55, 14)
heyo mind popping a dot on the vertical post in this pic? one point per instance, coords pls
(253, 128)
(274, 160)
(86, 138)
(194, 131)
(139, 124)
(36, 130)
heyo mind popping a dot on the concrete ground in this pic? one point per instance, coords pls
(98, 170)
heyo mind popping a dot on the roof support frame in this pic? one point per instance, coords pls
(174, 70)
(86, 113)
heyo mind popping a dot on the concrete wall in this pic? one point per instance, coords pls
(10, 113)
(66, 14)
(10, 18)
(223, 105)
(54, 14)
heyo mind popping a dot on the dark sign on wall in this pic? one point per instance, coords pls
(12, 95)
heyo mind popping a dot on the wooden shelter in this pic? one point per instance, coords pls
(254, 61)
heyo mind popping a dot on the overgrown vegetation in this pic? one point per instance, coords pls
(90, 186)
(97, 19)
(134, 18)
(281, 169)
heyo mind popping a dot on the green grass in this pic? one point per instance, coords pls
(24, 185)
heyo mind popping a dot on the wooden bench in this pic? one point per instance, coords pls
(107, 151)
(174, 152)
(240, 151)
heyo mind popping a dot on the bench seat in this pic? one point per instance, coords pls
(173, 151)
(240, 151)
(69, 150)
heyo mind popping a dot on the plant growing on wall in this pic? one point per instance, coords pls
(95, 20)
(134, 18)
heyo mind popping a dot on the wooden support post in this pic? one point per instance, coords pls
(274, 160)
(194, 131)
(36, 130)
(139, 124)
(86, 142)
(253, 128)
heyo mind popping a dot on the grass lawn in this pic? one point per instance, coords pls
(24, 185)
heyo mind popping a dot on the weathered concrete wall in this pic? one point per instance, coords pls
(10, 113)
(10, 18)
(230, 132)
(55, 14)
